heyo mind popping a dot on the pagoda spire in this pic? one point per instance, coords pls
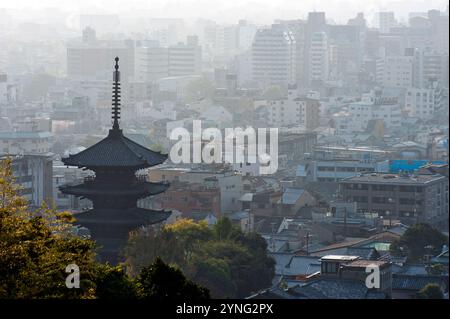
(116, 96)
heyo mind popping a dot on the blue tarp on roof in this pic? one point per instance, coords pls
(396, 166)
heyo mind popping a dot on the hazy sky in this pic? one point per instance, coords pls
(258, 11)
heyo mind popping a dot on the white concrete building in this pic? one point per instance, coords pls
(319, 59)
(386, 20)
(152, 62)
(395, 71)
(295, 110)
(424, 102)
(334, 170)
(185, 58)
(34, 174)
(273, 56)
(246, 34)
(431, 66)
(95, 60)
(369, 108)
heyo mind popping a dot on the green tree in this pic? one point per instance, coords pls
(113, 283)
(161, 281)
(213, 273)
(437, 269)
(222, 258)
(418, 240)
(431, 291)
(36, 247)
(223, 229)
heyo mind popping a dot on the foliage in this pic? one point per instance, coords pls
(161, 281)
(431, 291)
(419, 240)
(36, 247)
(113, 283)
(437, 269)
(222, 258)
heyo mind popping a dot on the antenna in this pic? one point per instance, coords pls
(116, 96)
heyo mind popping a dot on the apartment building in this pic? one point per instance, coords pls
(409, 198)
(295, 110)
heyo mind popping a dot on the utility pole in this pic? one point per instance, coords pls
(307, 243)
(345, 221)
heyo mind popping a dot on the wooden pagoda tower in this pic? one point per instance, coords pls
(115, 188)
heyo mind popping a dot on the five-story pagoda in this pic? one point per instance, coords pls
(115, 188)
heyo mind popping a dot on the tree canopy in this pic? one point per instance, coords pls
(431, 291)
(36, 247)
(418, 241)
(222, 258)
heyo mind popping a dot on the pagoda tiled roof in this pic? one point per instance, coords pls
(116, 150)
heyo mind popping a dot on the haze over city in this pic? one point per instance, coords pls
(224, 149)
(261, 11)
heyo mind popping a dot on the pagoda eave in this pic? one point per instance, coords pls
(140, 190)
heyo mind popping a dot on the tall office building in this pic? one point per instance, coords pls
(185, 58)
(274, 56)
(386, 20)
(299, 30)
(318, 58)
(92, 60)
(151, 62)
(430, 66)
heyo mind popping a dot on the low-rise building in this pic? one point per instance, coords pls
(25, 142)
(194, 200)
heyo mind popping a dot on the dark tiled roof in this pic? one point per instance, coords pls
(116, 150)
(411, 282)
(335, 289)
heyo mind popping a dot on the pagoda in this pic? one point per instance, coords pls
(115, 188)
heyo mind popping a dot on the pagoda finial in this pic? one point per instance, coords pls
(116, 96)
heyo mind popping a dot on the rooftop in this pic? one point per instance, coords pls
(338, 258)
(24, 135)
(383, 178)
(291, 195)
(118, 151)
(360, 263)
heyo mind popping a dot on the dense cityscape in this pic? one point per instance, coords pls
(88, 113)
